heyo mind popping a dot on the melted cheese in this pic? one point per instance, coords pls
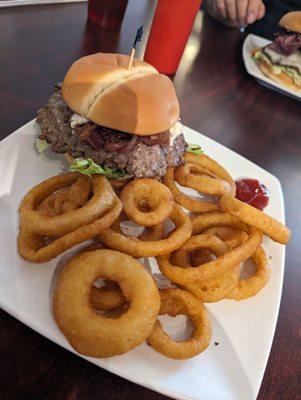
(77, 119)
(294, 60)
(175, 131)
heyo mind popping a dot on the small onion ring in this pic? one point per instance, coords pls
(138, 248)
(154, 194)
(199, 178)
(173, 303)
(209, 290)
(194, 205)
(100, 202)
(106, 299)
(245, 287)
(211, 165)
(256, 218)
(92, 334)
(109, 296)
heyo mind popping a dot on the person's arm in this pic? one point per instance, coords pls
(235, 13)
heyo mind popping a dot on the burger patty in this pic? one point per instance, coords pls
(139, 156)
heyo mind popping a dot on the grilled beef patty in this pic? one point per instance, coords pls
(140, 156)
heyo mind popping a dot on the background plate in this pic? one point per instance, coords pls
(231, 368)
(254, 42)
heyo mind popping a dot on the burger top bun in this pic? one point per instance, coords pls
(101, 88)
(291, 21)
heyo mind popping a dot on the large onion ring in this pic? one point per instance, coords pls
(100, 202)
(32, 246)
(254, 217)
(194, 205)
(138, 248)
(68, 199)
(174, 302)
(199, 178)
(150, 193)
(92, 334)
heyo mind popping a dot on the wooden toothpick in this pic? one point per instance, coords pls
(138, 38)
(131, 58)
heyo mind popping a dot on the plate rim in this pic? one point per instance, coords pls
(256, 73)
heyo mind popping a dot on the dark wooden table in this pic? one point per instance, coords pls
(217, 97)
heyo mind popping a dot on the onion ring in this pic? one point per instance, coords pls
(174, 302)
(249, 287)
(211, 165)
(231, 236)
(138, 248)
(256, 218)
(67, 199)
(194, 205)
(32, 246)
(212, 269)
(106, 298)
(207, 290)
(92, 334)
(149, 233)
(152, 233)
(100, 202)
(208, 220)
(150, 193)
(199, 178)
(245, 287)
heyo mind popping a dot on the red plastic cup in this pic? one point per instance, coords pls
(107, 13)
(171, 27)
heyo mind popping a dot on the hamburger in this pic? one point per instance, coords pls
(112, 120)
(281, 60)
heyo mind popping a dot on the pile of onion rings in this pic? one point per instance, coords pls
(200, 254)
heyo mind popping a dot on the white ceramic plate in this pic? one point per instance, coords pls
(254, 42)
(230, 370)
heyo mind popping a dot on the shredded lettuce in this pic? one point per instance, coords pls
(41, 145)
(89, 167)
(194, 148)
(257, 55)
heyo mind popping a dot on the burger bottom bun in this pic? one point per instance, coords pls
(282, 78)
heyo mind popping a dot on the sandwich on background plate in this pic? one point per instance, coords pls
(111, 120)
(281, 60)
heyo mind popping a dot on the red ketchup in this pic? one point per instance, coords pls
(252, 192)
